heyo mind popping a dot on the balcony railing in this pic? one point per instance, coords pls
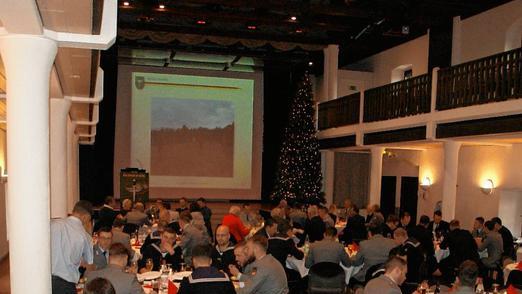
(339, 112)
(400, 99)
(490, 79)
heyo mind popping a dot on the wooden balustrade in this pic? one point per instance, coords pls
(339, 112)
(489, 79)
(400, 99)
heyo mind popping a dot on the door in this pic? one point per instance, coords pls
(409, 192)
(388, 186)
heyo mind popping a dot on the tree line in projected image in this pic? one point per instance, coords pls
(184, 151)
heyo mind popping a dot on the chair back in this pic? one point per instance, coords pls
(130, 228)
(326, 278)
(374, 271)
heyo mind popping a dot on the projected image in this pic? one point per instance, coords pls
(192, 137)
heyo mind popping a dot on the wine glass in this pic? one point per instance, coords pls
(149, 264)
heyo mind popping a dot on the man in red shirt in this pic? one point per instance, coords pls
(235, 225)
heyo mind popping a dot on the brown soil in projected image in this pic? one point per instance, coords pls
(196, 152)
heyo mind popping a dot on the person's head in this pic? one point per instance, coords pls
(347, 203)
(184, 218)
(183, 202)
(118, 223)
(400, 236)
(109, 200)
(468, 273)
(498, 223)
(164, 216)
(270, 226)
(369, 208)
(405, 218)
(139, 206)
(194, 206)
(454, 224)
(323, 211)
(201, 202)
(99, 286)
(374, 230)
(312, 211)
(83, 210)
(437, 216)
(105, 237)
(222, 235)
(168, 236)
(376, 208)
(283, 204)
(392, 221)
(241, 253)
(202, 255)
(332, 208)
(159, 204)
(424, 221)
(118, 254)
(277, 212)
(126, 204)
(489, 226)
(354, 211)
(235, 210)
(284, 228)
(257, 246)
(330, 233)
(478, 223)
(396, 268)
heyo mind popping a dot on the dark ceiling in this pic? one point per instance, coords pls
(361, 27)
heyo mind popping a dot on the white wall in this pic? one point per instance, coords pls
(360, 80)
(432, 166)
(4, 246)
(490, 32)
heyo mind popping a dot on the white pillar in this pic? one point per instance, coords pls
(58, 156)
(28, 61)
(375, 175)
(449, 185)
(72, 166)
(330, 70)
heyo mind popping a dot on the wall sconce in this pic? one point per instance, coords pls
(425, 184)
(487, 187)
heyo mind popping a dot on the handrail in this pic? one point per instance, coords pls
(339, 112)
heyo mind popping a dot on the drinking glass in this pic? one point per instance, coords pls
(149, 265)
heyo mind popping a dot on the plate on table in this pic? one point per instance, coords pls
(180, 275)
(149, 276)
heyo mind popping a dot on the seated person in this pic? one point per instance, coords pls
(269, 229)
(192, 235)
(327, 250)
(118, 236)
(137, 215)
(392, 222)
(164, 251)
(243, 260)
(223, 252)
(281, 246)
(372, 252)
(411, 249)
(467, 278)
(123, 283)
(205, 279)
(101, 248)
(493, 244)
(355, 230)
(394, 275)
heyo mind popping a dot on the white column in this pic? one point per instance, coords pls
(375, 175)
(330, 70)
(28, 61)
(449, 186)
(72, 166)
(58, 156)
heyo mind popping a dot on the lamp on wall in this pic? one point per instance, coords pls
(487, 187)
(425, 184)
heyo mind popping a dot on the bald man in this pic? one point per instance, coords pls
(223, 252)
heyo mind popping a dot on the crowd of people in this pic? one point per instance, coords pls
(392, 254)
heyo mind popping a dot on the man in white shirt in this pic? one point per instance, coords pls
(71, 244)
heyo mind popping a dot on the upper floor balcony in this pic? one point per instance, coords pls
(440, 104)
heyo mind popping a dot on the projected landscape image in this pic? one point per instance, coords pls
(192, 137)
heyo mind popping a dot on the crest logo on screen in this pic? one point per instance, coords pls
(139, 83)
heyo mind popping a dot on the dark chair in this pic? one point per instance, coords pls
(326, 278)
(130, 228)
(374, 271)
(515, 279)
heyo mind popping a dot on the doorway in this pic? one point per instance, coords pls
(388, 186)
(409, 195)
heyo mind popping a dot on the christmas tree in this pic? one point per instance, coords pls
(298, 177)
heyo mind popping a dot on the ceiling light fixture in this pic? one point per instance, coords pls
(126, 3)
(161, 6)
(299, 31)
(310, 63)
(251, 27)
(201, 22)
(293, 18)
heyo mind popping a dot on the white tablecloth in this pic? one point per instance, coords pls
(299, 265)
